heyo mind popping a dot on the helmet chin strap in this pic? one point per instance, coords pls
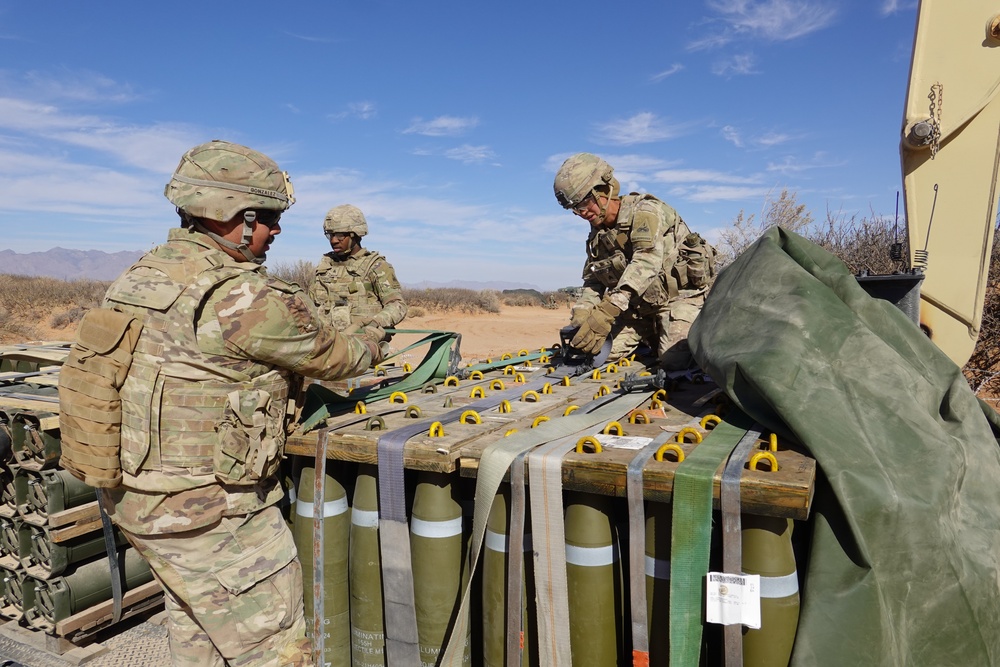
(249, 217)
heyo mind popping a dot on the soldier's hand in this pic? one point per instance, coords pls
(579, 315)
(372, 332)
(595, 329)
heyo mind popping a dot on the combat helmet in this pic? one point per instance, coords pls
(345, 218)
(218, 179)
(580, 175)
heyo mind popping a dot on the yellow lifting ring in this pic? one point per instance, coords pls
(547, 388)
(510, 431)
(413, 411)
(570, 409)
(538, 420)
(660, 394)
(504, 406)
(505, 356)
(655, 404)
(687, 430)
(429, 388)
(360, 408)
(436, 430)
(527, 363)
(588, 440)
(714, 420)
(477, 392)
(407, 367)
(550, 370)
(669, 447)
(645, 374)
(470, 414)
(488, 360)
(379, 371)
(397, 394)
(612, 368)
(613, 426)
(519, 377)
(544, 359)
(528, 394)
(773, 442)
(497, 384)
(604, 390)
(476, 375)
(625, 362)
(565, 381)
(508, 370)
(637, 415)
(596, 375)
(451, 381)
(764, 455)
(522, 353)
(375, 423)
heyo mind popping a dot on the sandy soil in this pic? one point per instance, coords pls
(483, 336)
(489, 336)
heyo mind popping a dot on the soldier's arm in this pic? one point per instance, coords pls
(648, 250)
(390, 295)
(281, 327)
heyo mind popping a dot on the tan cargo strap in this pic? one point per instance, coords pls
(732, 537)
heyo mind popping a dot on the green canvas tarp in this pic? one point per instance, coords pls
(902, 565)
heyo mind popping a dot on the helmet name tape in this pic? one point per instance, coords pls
(273, 194)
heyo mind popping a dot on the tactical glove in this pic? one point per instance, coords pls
(372, 332)
(595, 329)
(579, 315)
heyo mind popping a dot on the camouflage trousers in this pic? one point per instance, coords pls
(663, 328)
(233, 592)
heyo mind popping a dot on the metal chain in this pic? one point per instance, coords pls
(936, 97)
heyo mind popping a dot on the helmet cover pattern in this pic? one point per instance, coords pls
(218, 179)
(345, 218)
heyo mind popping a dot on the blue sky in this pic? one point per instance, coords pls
(445, 121)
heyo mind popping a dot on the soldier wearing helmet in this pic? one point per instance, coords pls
(205, 408)
(354, 286)
(645, 274)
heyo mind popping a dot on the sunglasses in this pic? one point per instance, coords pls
(268, 218)
(336, 236)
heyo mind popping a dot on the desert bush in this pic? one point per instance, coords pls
(300, 272)
(783, 212)
(415, 311)
(983, 368)
(27, 300)
(453, 298)
(522, 297)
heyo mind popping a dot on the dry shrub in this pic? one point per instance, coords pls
(983, 368)
(453, 298)
(300, 272)
(416, 311)
(27, 300)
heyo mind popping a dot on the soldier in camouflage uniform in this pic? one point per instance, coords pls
(354, 286)
(646, 273)
(205, 407)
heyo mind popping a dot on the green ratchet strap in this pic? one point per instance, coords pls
(691, 534)
(435, 366)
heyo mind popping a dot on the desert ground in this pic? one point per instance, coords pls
(489, 335)
(483, 335)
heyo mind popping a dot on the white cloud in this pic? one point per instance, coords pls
(700, 176)
(714, 193)
(793, 165)
(739, 64)
(893, 6)
(670, 71)
(470, 154)
(442, 126)
(775, 20)
(731, 134)
(642, 128)
(772, 139)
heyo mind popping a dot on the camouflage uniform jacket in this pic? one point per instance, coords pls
(205, 403)
(636, 257)
(358, 289)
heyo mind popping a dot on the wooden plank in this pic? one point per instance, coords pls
(83, 512)
(102, 613)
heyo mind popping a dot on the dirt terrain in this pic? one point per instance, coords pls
(483, 335)
(489, 335)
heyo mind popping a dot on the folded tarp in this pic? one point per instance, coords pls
(902, 566)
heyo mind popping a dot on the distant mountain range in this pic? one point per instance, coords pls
(99, 265)
(68, 264)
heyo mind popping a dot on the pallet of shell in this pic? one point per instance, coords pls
(54, 563)
(543, 514)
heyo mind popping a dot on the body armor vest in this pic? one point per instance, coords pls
(344, 292)
(189, 418)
